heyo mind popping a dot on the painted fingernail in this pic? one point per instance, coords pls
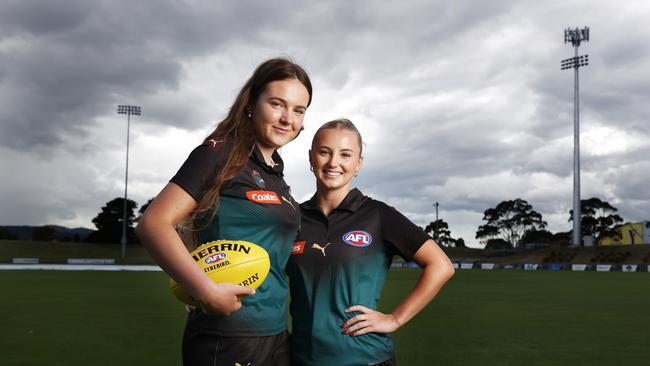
(343, 325)
(346, 331)
(354, 334)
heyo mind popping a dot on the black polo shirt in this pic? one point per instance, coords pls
(255, 206)
(339, 261)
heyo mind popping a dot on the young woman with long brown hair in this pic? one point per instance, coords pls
(212, 196)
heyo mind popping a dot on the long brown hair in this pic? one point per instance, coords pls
(237, 129)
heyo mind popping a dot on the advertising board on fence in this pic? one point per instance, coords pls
(466, 265)
(531, 266)
(578, 267)
(90, 261)
(629, 268)
(24, 261)
(487, 265)
(603, 267)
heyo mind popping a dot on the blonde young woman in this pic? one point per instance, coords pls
(341, 258)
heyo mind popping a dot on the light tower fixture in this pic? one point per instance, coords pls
(575, 37)
(129, 110)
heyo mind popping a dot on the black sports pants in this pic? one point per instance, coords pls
(201, 349)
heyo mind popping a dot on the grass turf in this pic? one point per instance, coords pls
(480, 318)
(528, 318)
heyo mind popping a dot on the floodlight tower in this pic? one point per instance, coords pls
(128, 110)
(576, 36)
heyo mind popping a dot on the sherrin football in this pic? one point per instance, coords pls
(235, 261)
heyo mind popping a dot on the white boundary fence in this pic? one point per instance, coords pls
(577, 267)
(79, 267)
(104, 264)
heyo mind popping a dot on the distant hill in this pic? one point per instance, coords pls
(60, 232)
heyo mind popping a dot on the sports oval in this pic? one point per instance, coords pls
(357, 238)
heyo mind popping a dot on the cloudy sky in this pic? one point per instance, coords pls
(461, 103)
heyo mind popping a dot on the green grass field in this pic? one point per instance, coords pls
(480, 318)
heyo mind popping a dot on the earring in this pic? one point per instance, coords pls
(355, 174)
(311, 168)
(250, 114)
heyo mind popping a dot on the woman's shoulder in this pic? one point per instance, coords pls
(209, 152)
(371, 201)
(385, 210)
(212, 146)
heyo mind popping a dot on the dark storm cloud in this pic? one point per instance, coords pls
(65, 63)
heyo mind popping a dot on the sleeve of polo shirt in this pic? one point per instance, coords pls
(201, 166)
(402, 235)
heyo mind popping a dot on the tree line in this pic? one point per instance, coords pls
(108, 223)
(514, 223)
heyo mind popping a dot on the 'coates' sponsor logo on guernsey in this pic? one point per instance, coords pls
(357, 238)
(267, 197)
(298, 247)
(216, 257)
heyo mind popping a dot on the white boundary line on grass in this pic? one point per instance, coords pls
(79, 267)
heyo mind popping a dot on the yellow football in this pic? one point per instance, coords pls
(235, 261)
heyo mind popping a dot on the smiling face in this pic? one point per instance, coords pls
(335, 156)
(278, 114)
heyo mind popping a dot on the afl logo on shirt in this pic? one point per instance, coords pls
(357, 238)
(268, 197)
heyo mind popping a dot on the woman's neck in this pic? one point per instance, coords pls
(329, 200)
(267, 153)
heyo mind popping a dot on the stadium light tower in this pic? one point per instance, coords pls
(575, 37)
(128, 110)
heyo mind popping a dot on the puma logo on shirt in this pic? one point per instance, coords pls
(322, 249)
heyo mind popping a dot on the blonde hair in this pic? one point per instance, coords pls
(341, 123)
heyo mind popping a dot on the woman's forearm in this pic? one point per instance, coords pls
(437, 270)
